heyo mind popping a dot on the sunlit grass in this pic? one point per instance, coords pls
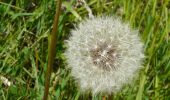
(24, 29)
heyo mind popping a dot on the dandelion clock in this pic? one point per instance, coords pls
(103, 54)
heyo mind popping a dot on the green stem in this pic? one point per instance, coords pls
(52, 48)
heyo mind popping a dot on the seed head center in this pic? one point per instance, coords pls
(104, 56)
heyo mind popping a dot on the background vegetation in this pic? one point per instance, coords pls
(24, 29)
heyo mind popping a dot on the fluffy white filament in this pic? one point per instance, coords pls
(104, 54)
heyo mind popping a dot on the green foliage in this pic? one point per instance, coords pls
(24, 29)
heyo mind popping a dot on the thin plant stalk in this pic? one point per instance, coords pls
(52, 48)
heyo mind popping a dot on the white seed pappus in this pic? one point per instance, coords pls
(103, 54)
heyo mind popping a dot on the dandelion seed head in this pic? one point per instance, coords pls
(104, 54)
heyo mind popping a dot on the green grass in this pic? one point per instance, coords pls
(24, 29)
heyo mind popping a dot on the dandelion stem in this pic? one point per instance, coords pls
(52, 47)
(110, 97)
(104, 98)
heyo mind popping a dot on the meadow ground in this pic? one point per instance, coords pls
(25, 26)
